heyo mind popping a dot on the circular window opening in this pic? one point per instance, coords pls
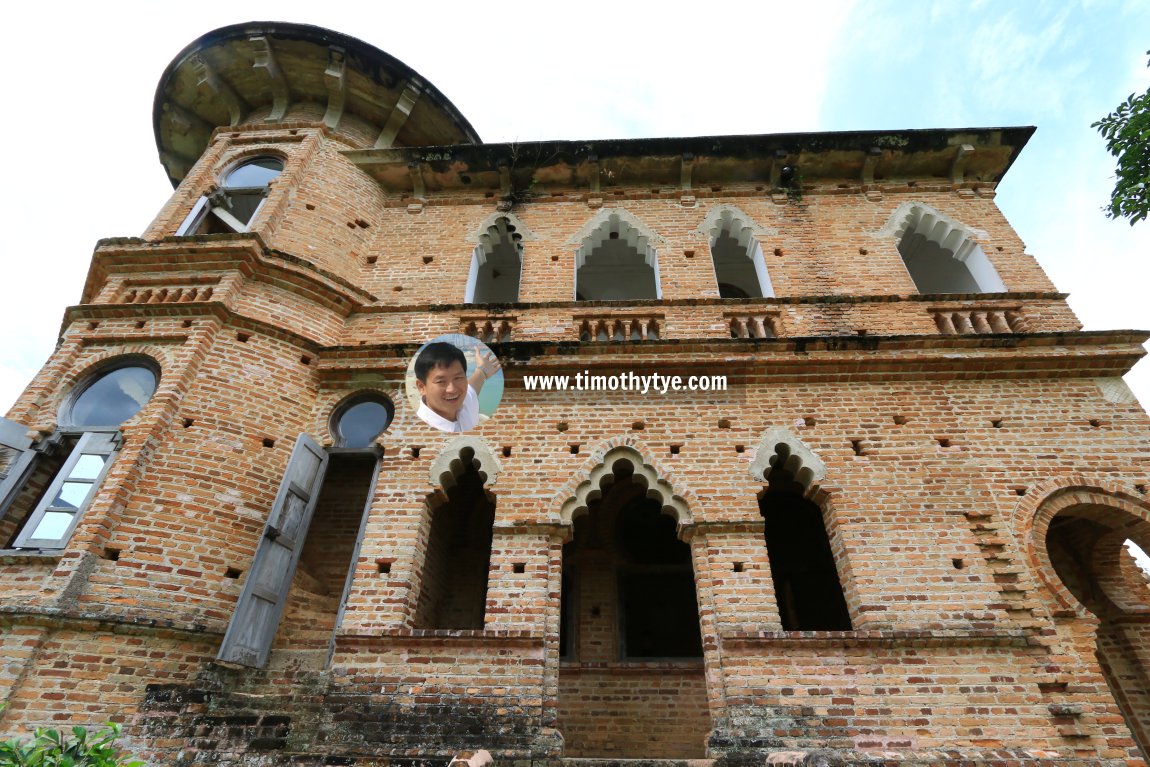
(254, 174)
(112, 396)
(360, 419)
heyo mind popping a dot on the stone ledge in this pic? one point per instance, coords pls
(880, 638)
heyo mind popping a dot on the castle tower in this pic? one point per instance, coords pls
(800, 458)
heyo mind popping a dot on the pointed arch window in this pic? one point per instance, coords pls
(453, 582)
(737, 257)
(942, 255)
(496, 265)
(808, 589)
(629, 588)
(616, 261)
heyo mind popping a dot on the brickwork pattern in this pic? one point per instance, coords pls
(940, 450)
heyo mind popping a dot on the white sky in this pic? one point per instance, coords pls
(81, 163)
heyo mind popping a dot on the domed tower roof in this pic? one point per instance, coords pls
(274, 72)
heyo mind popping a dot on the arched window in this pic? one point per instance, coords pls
(807, 586)
(941, 255)
(630, 618)
(234, 206)
(496, 265)
(626, 539)
(453, 582)
(616, 260)
(360, 419)
(737, 256)
(88, 439)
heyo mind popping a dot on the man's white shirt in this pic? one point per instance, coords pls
(467, 418)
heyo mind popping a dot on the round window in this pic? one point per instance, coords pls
(111, 397)
(360, 419)
(254, 174)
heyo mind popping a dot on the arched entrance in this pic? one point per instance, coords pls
(1085, 545)
(631, 677)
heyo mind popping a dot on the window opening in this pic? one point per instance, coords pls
(1094, 550)
(616, 262)
(496, 264)
(453, 583)
(69, 493)
(301, 568)
(738, 259)
(659, 610)
(47, 486)
(322, 578)
(360, 419)
(943, 257)
(807, 586)
(567, 600)
(630, 621)
(625, 561)
(233, 206)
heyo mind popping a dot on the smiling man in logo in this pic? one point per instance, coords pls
(448, 398)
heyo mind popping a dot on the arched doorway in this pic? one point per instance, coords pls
(1090, 548)
(631, 677)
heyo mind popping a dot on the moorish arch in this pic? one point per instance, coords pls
(616, 258)
(940, 253)
(600, 472)
(780, 449)
(459, 523)
(630, 614)
(461, 455)
(1110, 511)
(808, 563)
(497, 260)
(735, 241)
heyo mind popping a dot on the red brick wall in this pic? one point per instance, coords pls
(959, 645)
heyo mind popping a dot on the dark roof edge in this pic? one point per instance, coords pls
(748, 145)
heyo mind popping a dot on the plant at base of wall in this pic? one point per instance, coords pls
(51, 748)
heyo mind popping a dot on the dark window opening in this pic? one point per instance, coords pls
(659, 612)
(317, 588)
(453, 585)
(807, 586)
(628, 584)
(566, 607)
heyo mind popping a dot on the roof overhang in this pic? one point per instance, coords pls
(266, 72)
(956, 156)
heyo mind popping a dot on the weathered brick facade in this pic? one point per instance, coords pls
(975, 458)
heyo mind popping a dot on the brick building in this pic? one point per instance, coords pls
(892, 532)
